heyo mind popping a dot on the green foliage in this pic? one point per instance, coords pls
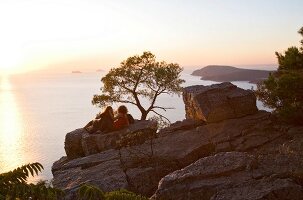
(13, 184)
(90, 192)
(283, 90)
(123, 195)
(140, 77)
(291, 60)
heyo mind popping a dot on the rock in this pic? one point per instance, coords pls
(103, 169)
(80, 143)
(184, 125)
(218, 102)
(95, 143)
(227, 176)
(145, 164)
(242, 154)
(72, 145)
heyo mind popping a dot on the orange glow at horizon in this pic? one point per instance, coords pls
(89, 35)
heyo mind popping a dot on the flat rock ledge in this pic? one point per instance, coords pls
(80, 143)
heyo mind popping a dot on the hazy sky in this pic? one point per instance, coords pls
(91, 34)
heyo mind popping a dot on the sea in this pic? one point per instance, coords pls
(37, 110)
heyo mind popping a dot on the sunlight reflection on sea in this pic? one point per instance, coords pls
(36, 111)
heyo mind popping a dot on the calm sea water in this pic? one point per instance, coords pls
(36, 111)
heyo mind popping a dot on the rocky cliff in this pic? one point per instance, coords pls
(240, 154)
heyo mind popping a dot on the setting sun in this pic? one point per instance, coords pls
(9, 63)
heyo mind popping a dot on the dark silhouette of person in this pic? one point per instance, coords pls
(103, 122)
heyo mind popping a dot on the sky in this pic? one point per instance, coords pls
(86, 35)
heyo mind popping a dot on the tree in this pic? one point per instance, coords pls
(140, 77)
(283, 90)
(13, 184)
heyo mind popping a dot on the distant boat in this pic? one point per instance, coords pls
(76, 72)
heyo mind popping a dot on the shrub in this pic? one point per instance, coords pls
(13, 184)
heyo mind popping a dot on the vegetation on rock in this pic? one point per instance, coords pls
(91, 192)
(283, 90)
(13, 184)
(140, 77)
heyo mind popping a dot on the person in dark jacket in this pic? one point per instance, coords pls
(103, 122)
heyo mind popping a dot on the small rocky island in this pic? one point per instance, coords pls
(225, 149)
(221, 73)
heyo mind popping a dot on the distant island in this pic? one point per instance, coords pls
(99, 70)
(222, 73)
(76, 72)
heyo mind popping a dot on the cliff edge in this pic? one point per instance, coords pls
(224, 149)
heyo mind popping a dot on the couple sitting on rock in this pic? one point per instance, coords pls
(106, 121)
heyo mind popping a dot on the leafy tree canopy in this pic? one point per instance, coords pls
(283, 90)
(137, 78)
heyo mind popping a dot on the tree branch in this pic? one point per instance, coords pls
(123, 86)
(163, 108)
(162, 116)
(126, 101)
(138, 80)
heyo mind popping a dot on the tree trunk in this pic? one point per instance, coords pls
(143, 115)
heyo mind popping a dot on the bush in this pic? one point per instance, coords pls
(90, 192)
(123, 195)
(283, 90)
(13, 184)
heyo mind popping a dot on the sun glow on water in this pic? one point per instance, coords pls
(10, 128)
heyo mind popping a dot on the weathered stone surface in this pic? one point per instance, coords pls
(250, 157)
(186, 124)
(94, 143)
(72, 145)
(144, 165)
(227, 176)
(218, 102)
(102, 169)
(80, 143)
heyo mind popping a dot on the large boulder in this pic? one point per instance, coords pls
(79, 142)
(73, 145)
(218, 102)
(231, 175)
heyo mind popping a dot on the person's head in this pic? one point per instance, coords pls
(122, 110)
(108, 111)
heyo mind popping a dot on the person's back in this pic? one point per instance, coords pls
(103, 122)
